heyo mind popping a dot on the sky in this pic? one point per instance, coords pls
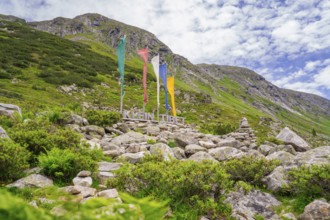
(286, 41)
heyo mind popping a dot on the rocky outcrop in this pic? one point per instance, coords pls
(9, 110)
(130, 137)
(317, 210)
(290, 137)
(200, 156)
(225, 153)
(33, 180)
(163, 150)
(134, 157)
(246, 206)
(316, 156)
(276, 180)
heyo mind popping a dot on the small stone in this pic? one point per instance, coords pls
(109, 193)
(84, 173)
(108, 166)
(83, 181)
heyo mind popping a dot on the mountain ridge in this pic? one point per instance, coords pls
(229, 87)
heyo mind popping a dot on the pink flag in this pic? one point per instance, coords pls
(144, 54)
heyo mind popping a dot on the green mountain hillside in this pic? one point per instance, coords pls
(38, 69)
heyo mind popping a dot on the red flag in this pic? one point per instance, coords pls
(144, 54)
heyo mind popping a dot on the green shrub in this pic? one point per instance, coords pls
(217, 128)
(102, 118)
(39, 136)
(65, 164)
(250, 169)
(14, 208)
(199, 186)
(310, 182)
(13, 159)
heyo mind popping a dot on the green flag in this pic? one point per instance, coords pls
(121, 61)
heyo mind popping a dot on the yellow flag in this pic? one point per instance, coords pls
(170, 88)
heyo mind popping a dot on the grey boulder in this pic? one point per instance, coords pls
(317, 210)
(33, 180)
(290, 137)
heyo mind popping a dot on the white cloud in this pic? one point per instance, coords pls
(323, 78)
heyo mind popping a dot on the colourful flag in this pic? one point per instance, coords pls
(155, 64)
(144, 54)
(121, 61)
(163, 73)
(170, 87)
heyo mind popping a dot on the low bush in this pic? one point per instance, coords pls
(217, 128)
(13, 159)
(12, 207)
(65, 164)
(310, 182)
(102, 118)
(249, 169)
(39, 136)
(196, 186)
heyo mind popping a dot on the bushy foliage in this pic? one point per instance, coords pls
(13, 160)
(65, 164)
(250, 169)
(39, 136)
(311, 182)
(218, 128)
(14, 208)
(102, 118)
(199, 186)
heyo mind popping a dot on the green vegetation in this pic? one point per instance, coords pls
(13, 159)
(102, 118)
(169, 181)
(218, 129)
(250, 170)
(13, 207)
(64, 165)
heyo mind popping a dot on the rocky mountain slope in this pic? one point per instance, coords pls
(230, 92)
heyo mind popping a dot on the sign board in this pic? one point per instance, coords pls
(146, 116)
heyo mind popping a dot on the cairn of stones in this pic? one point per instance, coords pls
(244, 134)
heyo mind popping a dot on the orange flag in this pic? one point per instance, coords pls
(170, 88)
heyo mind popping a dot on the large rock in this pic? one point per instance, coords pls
(317, 210)
(246, 206)
(283, 156)
(193, 148)
(201, 156)
(225, 153)
(290, 137)
(317, 156)
(153, 130)
(109, 193)
(276, 180)
(33, 180)
(83, 190)
(184, 139)
(134, 157)
(266, 149)
(103, 177)
(94, 131)
(82, 181)
(163, 149)
(178, 153)
(130, 137)
(3, 133)
(207, 144)
(229, 142)
(9, 110)
(75, 119)
(108, 166)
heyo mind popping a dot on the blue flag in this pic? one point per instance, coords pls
(162, 74)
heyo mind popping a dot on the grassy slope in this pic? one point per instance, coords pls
(41, 62)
